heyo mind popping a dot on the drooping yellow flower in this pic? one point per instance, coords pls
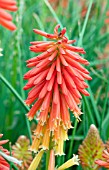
(36, 160)
(71, 162)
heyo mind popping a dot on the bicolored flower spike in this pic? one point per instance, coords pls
(3, 163)
(6, 18)
(104, 162)
(21, 152)
(91, 149)
(56, 81)
(43, 135)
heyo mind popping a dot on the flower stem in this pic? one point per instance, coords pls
(72, 140)
(3, 79)
(14, 166)
(54, 14)
(19, 39)
(40, 24)
(87, 105)
(47, 158)
(103, 112)
(10, 155)
(85, 23)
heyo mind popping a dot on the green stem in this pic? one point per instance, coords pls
(14, 166)
(54, 14)
(97, 62)
(106, 120)
(94, 105)
(10, 155)
(20, 100)
(47, 158)
(3, 79)
(85, 120)
(39, 23)
(72, 140)
(19, 38)
(104, 109)
(85, 23)
(99, 76)
(88, 109)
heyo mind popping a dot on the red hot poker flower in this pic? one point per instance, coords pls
(6, 18)
(3, 164)
(57, 78)
(57, 81)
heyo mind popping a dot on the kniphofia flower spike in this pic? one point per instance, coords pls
(91, 149)
(57, 81)
(21, 152)
(6, 18)
(104, 162)
(3, 164)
